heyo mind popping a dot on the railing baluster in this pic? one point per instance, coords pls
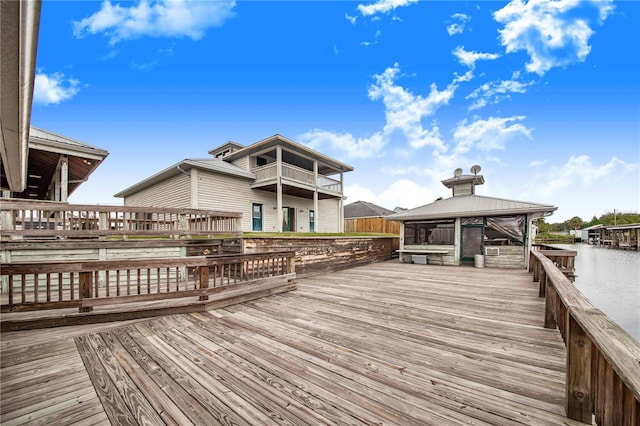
(23, 289)
(48, 287)
(36, 289)
(10, 290)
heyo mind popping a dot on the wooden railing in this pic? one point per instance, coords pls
(603, 361)
(298, 174)
(39, 286)
(41, 219)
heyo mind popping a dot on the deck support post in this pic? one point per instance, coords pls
(86, 289)
(578, 381)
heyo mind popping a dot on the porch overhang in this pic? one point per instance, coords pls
(19, 27)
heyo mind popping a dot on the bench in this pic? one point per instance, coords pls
(426, 251)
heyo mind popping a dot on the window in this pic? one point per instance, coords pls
(312, 221)
(435, 232)
(505, 231)
(257, 217)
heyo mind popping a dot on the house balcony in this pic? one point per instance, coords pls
(296, 181)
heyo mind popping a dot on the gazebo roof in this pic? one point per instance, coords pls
(472, 205)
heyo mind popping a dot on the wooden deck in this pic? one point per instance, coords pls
(387, 343)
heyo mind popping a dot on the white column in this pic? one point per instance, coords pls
(64, 178)
(315, 198)
(341, 204)
(279, 188)
(193, 173)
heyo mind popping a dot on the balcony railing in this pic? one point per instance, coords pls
(270, 171)
(41, 219)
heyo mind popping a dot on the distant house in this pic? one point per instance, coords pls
(468, 227)
(590, 234)
(56, 166)
(277, 184)
(361, 209)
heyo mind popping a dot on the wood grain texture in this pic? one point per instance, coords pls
(386, 343)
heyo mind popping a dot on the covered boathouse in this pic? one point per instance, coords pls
(470, 229)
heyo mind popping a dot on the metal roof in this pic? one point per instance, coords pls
(365, 209)
(209, 164)
(327, 164)
(53, 142)
(472, 205)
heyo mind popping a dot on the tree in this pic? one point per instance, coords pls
(575, 223)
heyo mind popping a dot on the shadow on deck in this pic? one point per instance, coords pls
(387, 343)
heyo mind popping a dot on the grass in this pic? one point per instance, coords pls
(312, 234)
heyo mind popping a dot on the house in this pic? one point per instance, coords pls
(470, 229)
(361, 209)
(590, 234)
(277, 184)
(56, 166)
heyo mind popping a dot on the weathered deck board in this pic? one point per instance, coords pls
(387, 343)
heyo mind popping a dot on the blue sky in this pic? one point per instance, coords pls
(544, 95)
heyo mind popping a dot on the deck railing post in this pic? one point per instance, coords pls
(578, 381)
(542, 281)
(291, 264)
(86, 289)
(204, 280)
(549, 306)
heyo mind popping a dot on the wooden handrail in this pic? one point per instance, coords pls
(603, 361)
(47, 219)
(39, 286)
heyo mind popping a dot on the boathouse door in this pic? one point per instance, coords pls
(471, 239)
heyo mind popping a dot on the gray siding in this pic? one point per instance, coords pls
(329, 215)
(172, 192)
(243, 163)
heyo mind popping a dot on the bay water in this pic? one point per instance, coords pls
(610, 278)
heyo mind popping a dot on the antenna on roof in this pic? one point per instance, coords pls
(457, 172)
(475, 169)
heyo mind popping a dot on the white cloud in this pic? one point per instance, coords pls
(350, 18)
(383, 6)
(404, 114)
(375, 40)
(405, 111)
(155, 18)
(488, 135)
(354, 147)
(357, 192)
(537, 163)
(495, 92)
(54, 88)
(458, 27)
(469, 58)
(401, 193)
(399, 170)
(335, 49)
(579, 170)
(553, 33)
(468, 76)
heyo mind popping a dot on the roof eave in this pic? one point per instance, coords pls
(339, 166)
(452, 215)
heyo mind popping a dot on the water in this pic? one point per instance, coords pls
(610, 278)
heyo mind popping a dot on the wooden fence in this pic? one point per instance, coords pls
(603, 361)
(40, 286)
(21, 219)
(372, 224)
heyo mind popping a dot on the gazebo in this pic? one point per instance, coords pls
(470, 229)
